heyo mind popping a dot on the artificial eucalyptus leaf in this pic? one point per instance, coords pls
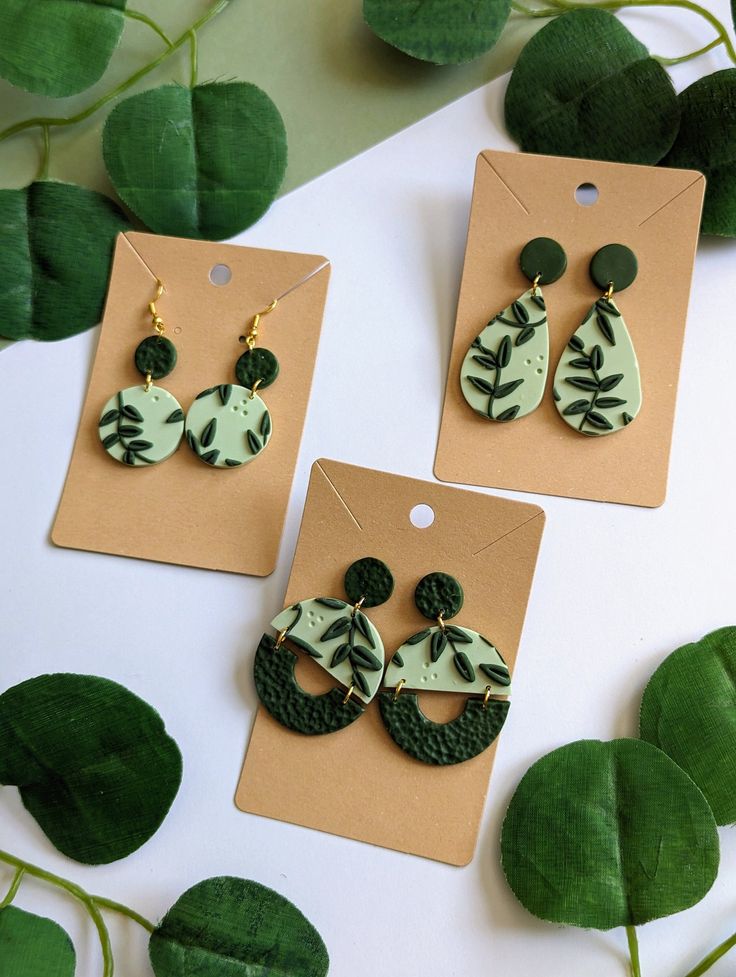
(57, 244)
(608, 834)
(707, 142)
(93, 763)
(689, 711)
(440, 31)
(236, 927)
(33, 946)
(58, 47)
(585, 86)
(204, 162)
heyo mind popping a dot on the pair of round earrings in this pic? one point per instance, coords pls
(596, 388)
(340, 637)
(226, 426)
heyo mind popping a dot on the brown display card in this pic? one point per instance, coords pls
(357, 783)
(182, 511)
(653, 210)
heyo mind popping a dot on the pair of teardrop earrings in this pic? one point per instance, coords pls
(226, 426)
(339, 636)
(596, 388)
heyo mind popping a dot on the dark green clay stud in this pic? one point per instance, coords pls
(438, 593)
(155, 355)
(614, 264)
(543, 257)
(257, 366)
(369, 580)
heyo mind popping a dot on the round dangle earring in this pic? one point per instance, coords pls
(444, 658)
(511, 355)
(597, 387)
(340, 638)
(229, 425)
(143, 425)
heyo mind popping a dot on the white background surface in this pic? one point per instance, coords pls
(393, 222)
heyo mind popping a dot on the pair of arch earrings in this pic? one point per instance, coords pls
(340, 637)
(227, 425)
(597, 387)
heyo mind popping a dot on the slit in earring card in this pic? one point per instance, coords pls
(187, 444)
(568, 387)
(358, 781)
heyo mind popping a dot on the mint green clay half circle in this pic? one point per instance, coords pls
(454, 660)
(140, 427)
(340, 639)
(504, 372)
(227, 426)
(597, 387)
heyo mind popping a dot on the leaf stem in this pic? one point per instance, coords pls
(14, 886)
(118, 907)
(149, 22)
(693, 54)
(43, 170)
(633, 951)
(193, 58)
(707, 962)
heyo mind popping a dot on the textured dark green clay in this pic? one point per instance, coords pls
(155, 355)
(614, 263)
(369, 579)
(545, 257)
(438, 593)
(257, 364)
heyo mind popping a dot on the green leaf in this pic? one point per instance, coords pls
(361, 622)
(132, 412)
(341, 653)
(33, 946)
(110, 440)
(93, 763)
(584, 383)
(489, 362)
(58, 48)
(338, 627)
(585, 86)
(176, 416)
(689, 711)
(440, 31)
(464, 666)
(129, 430)
(496, 673)
(225, 390)
(254, 442)
(608, 834)
(604, 324)
(576, 407)
(605, 403)
(598, 420)
(504, 352)
(266, 425)
(504, 389)
(108, 417)
(397, 660)
(364, 658)
(481, 384)
(209, 433)
(609, 382)
(205, 162)
(596, 358)
(333, 602)
(707, 142)
(140, 445)
(437, 645)
(235, 927)
(525, 335)
(576, 343)
(509, 414)
(210, 457)
(520, 313)
(419, 636)
(55, 259)
(360, 680)
(457, 634)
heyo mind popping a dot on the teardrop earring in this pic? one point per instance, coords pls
(511, 355)
(597, 387)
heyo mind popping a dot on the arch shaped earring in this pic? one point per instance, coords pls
(504, 372)
(444, 658)
(143, 425)
(339, 636)
(597, 387)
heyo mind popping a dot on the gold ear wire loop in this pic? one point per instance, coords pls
(399, 687)
(348, 694)
(251, 336)
(535, 283)
(608, 292)
(156, 321)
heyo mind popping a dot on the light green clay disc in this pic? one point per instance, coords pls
(504, 372)
(597, 387)
(460, 660)
(227, 426)
(140, 427)
(322, 627)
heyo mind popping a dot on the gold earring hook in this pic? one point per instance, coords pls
(608, 292)
(535, 283)
(156, 321)
(252, 334)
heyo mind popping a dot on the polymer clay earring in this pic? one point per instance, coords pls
(340, 638)
(597, 387)
(444, 658)
(143, 425)
(504, 372)
(229, 425)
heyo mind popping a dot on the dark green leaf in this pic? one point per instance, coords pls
(397, 660)
(489, 362)
(210, 457)
(496, 673)
(585, 86)
(598, 420)
(226, 390)
(580, 363)
(92, 761)
(604, 324)
(608, 834)
(33, 946)
(175, 417)
(57, 48)
(556, 395)
(209, 433)
(361, 681)
(689, 711)
(437, 645)
(605, 306)
(364, 658)
(205, 162)
(576, 343)
(481, 384)
(266, 426)
(627, 418)
(525, 335)
(232, 463)
(596, 358)
(419, 636)
(538, 301)
(129, 457)
(584, 383)
(609, 382)
(305, 646)
(457, 634)
(363, 626)
(504, 389)
(110, 440)
(607, 402)
(336, 605)
(338, 627)
(464, 666)
(254, 442)
(503, 355)
(443, 31)
(234, 927)
(341, 653)
(192, 442)
(54, 262)
(509, 414)
(576, 407)
(520, 313)
(129, 430)
(132, 412)
(140, 445)
(109, 416)
(205, 393)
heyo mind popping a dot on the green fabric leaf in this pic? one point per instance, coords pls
(608, 834)
(230, 927)
(55, 259)
(585, 86)
(707, 142)
(440, 31)
(205, 162)
(93, 763)
(33, 946)
(689, 711)
(58, 47)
